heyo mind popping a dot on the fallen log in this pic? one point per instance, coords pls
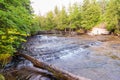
(59, 74)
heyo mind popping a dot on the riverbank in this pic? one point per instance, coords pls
(93, 57)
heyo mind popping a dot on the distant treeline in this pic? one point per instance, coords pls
(81, 17)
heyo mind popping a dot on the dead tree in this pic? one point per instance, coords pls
(59, 74)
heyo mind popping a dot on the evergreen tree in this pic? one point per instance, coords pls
(113, 16)
(56, 11)
(15, 21)
(36, 24)
(90, 14)
(50, 21)
(56, 17)
(62, 19)
(74, 17)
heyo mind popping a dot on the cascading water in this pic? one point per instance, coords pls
(77, 55)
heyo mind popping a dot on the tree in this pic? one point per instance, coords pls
(74, 17)
(36, 24)
(56, 17)
(103, 5)
(15, 20)
(56, 11)
(62, 19)
(50, 21)
(113, 16)
(90, 14)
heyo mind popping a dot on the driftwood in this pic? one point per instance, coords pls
(59, 74)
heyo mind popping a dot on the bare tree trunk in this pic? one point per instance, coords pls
(59, 74)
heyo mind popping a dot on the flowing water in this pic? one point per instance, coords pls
(93, 57)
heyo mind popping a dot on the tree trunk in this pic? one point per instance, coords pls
(59, 74)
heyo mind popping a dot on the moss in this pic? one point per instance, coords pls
(2, 77)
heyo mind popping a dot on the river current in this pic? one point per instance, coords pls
(92, 57)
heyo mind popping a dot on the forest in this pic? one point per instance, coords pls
(17, 21)
(81, 17)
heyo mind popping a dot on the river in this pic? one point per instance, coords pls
(92, 57)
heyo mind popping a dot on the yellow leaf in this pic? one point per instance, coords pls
(3, 37)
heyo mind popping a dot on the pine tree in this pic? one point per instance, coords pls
(74, 17)
(90, 14)
(56, 17)
(62, 19)
(56, 11)
(113, 16)
(49, 21)
(15, 21)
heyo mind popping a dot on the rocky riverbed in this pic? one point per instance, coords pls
(93, 57)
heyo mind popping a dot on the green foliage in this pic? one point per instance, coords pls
(15, 21)
(36, 24)
(4, 59)
(56, 11)
(81, 16)
(90, 15)
(113, 15)
(49, 21)
(62, 19)
(74, 17)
